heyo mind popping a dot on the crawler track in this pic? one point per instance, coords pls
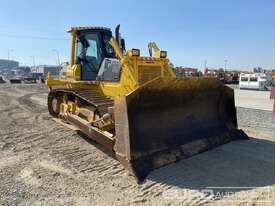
(92, 97)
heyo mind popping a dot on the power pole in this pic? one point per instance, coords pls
(57, 54)
(225, 64)
(33, 62)
(9, 51)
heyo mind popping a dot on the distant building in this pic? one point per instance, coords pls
(8, 64)
(45, 69)
(186, 71)
(24, 70)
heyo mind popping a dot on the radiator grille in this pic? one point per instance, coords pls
(146, 74)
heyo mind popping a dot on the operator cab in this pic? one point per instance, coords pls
(94, 54)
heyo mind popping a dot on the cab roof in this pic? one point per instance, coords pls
(84, 28)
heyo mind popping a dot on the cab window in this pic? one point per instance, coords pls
(253, 79)
(244, 79)
(89, 54)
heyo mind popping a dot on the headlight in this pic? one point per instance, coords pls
(163, 54)
(135, 52)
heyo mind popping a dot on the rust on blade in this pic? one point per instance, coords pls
(169, 119)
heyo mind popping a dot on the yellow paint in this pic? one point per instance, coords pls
(71, 107)
(73, 44)
(129, 76)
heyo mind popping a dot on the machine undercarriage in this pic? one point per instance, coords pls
(135, 106)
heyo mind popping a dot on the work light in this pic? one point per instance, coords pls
(135, 52)
(163, 54)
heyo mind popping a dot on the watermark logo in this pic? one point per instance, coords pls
(260, 195)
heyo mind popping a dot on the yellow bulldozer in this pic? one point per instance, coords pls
(135, 106)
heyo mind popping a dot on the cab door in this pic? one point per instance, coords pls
(89, 55)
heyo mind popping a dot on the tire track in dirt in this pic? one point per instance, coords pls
(101, 166)
(35, 132)
(30, 105)
(75, 153)
(87, 161)
(67, 163)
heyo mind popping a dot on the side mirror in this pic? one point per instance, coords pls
(117, 34)
(150, 52)
(120, 41)
(122, 44)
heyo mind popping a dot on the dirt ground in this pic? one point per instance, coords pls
(253, 99)
(44, 163)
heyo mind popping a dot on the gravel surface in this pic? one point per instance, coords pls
(44, 163)
(253, 99)
(257, 120)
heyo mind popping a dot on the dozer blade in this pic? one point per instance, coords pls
(166, 120)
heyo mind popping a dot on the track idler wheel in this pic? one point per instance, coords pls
(54, 102)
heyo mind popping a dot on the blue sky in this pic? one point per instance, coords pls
(192, 31)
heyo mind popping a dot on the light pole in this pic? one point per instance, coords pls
(57, 54)
(9, 52)
(205, 65)
(33, 61)
(225, 64)
(58, 66)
